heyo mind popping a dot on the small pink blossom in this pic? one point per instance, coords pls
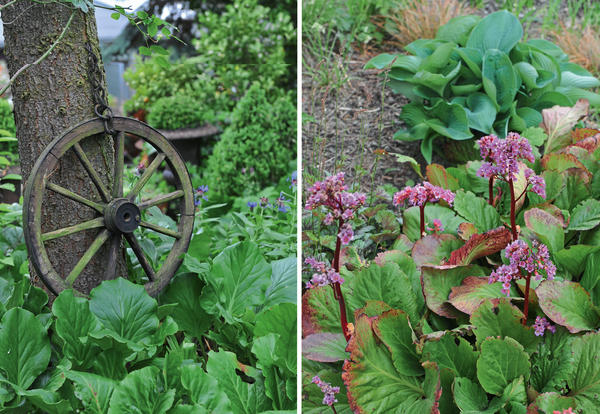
(565, 411)
(532, 260)
(328, 391)
(324, 275)
(437, 226)
(421, 194)
(346, 233)
(541, 324)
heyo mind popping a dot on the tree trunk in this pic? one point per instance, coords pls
(50, 98)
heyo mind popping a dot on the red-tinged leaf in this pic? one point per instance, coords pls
(520, 185)
(320, 311)
(590, 144)
(438, 281)
(549, 402)
(388, 256)
(325, 347)
(554, 211)
(480, 245)
(434, 249)
(372, 308)
(558, 122)
(473, 291)
(581, 133)
(403, 244)
(437, 175)
(466, 230)
(568, 304)
(547, 228)
(561, 162)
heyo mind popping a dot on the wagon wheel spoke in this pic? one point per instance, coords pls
(113, 257)
(66, 231)
(117, 191)
(146, 176)
(160, 229)
(87, 256)
(85, 161)
(75, 197)
(137, 250)
(160, 199)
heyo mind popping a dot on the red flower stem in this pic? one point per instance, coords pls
(422, 214)
(333, 408)
(491, 191)
(526, 306)
(337, 290)
(513, 206)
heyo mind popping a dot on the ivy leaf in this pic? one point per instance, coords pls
(501, 362)
(140, 392)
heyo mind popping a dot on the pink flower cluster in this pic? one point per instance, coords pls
(501, 159)
(565, 411)
(437, 226)
(421, 194)
(541, 324)
(324, 275)
(532, 260)
(328, 390)
(342, 205)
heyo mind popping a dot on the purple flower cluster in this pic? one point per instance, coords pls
(328, 390)
(421, 194)
(532, 260)
(502, 156)
(200, 195)
(541, 324)
(342, 205)
(324, 275)
(293, 179)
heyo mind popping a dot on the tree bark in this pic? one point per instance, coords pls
(50, 98)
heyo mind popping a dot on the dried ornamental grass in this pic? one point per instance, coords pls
(583, 47)
(418, 19)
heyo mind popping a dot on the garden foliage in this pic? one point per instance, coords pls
(440, 319)
(478, 77)
(177, 112)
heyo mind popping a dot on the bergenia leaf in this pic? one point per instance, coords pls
(474, 290)
(584, 382)
(558, 122)
(500, 363)
(141, 389)
(481, 245)
(325, 347)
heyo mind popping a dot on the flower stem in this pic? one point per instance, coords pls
(333, 408)
(422, 215)
(337, 290)
(491, 191)
(526, 306)
(513, 205)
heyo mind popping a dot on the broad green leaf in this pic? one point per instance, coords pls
(575, 76)
(591, 277)
(413, 163)
(503, 320)
(324, 347)
(568, 304)
(501, 362)
(185, 292)
(93, 390)
(283, 282)
(474, 290)
(437, 175)
(203, 390)
(449, 120)
(585, 216)
(574, 258)
(584, 382)
(473, 58)
(476, 210)
(481, 112)
(141, 393)
(125, 310)
(320, 311)
(460, 358)
(500, 81)
(74, 321)
(546, 227)
(380, 61)
(434, 249)
(469, 396)
(239, 279)
(576, 94)
(550, 402)
(24, 347)
(280, 320)
(551, 366)
(411, 220)
(558, 122)
(500, 30)
(457, 29)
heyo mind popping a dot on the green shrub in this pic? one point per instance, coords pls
(179, 111)
(261, 141)
(7, 120)
(477, 77)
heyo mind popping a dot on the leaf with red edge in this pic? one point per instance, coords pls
(555, 211)
(320, 311)
(590, 144)
(562, 162)
(480, 245)
(434, 249)
(581, 133)
(325, 347)
(466, 230)
(474, 290)
(438, 281)
(546, 227)
(568, 304)
(437, 175)
(558, 122)
(548, 402)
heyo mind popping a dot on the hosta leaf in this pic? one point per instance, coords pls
(472, 58)
(438, 282)
(140, 392)
(558, 122)
(460, 358)
(393, 328)
(568, 304)
(457, 29)
(203, 390)
(481, 245)
(380, 61)
(280, 320)
(449, 120)
(500, 81)
(584, 382)
(370, 376)
(325, 347)
(481, 112)
(283, 282)
(74, 321)
(239, 279)
(24, 347)
(125, 310)
(500, 30)
(546, 227)
(473, 291)
(185, 291)
(501, 362)
(502, 320)
(476, 210)
(93, 390)
(585, 216)
(434, 249)
(575, 76)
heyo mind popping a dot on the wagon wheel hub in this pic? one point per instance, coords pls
(122, 216)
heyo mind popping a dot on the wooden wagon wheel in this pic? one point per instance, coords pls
(118, 214)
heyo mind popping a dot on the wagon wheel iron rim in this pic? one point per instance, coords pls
(118, 214)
